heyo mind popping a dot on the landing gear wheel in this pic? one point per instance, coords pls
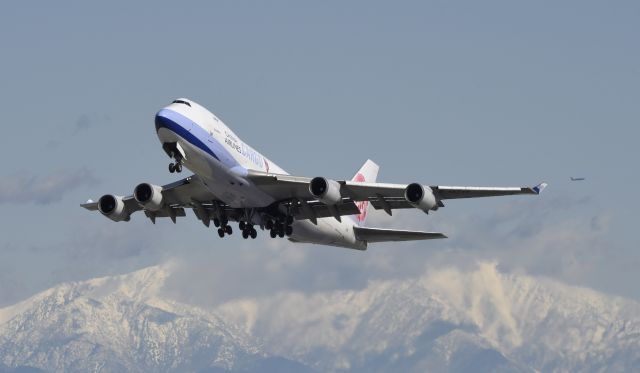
(273, 233)
(228, 230)
(253, 233)
(220, 232)
(281, 234)
(172, 168)
(245, 234)
(216, 222)
(178, 167)
(288, 230)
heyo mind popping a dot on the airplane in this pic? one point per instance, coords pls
(578, 178)
(232, 182)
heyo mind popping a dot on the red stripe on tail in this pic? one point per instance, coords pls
(362, 205)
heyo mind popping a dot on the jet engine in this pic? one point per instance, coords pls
(421, 197)
(326, 191)
(112, 207)
(149, 196)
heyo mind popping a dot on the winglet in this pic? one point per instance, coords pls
(539, 188)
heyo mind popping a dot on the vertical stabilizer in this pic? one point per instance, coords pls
(367, 174)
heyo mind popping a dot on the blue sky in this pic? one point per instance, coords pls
(491, 93)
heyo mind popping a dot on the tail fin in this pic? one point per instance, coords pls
(367, 174)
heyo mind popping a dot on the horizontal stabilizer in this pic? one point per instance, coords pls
(389, 235)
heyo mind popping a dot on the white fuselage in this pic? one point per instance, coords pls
(222, 160)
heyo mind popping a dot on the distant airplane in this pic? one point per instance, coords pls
(233, 182)
(577, 178)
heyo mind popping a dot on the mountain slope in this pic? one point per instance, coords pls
(447, 320)
(119, 324)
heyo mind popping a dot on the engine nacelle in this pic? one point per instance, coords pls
(112, 207)
(326, 191)
(421, 197)
(149, 196)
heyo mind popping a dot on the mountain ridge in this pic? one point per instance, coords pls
(447, 320)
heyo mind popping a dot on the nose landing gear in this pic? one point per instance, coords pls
(175, 167)
(175, 152)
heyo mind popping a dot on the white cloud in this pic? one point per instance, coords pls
(27, 188)
(480, 292)
(86, 121)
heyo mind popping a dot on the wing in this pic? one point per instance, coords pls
(191, 193)
(381, 195)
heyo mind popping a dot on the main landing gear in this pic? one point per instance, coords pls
(247, 230)
(223, 227)
(280, 228)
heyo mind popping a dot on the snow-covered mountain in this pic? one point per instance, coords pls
(120, 324)
(447, 320)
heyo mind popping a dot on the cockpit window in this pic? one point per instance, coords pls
(182, 102)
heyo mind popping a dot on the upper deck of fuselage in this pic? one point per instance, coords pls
(183, 112)
(197, 114)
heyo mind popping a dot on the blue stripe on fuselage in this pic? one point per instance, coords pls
(194, 134)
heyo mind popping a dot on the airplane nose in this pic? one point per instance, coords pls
(163, 120)
(172, 121)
